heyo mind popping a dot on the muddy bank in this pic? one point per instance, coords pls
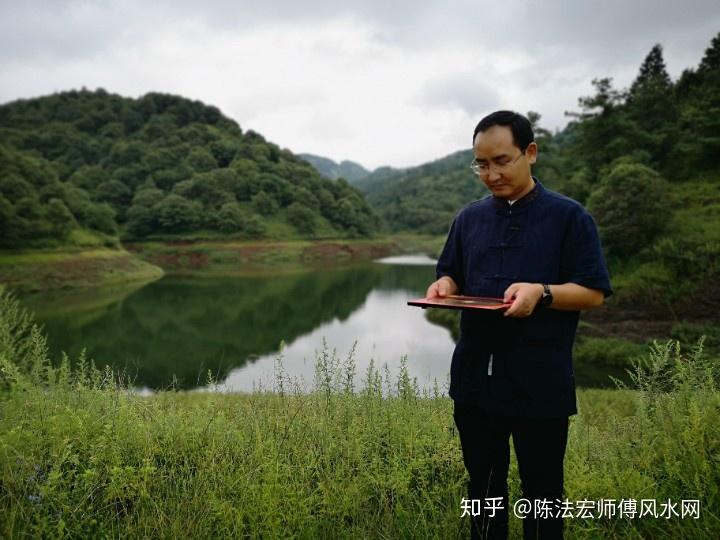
(251, 257)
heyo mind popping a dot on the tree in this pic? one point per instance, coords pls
(147, 197)
(255, 226)
(631, 207)
(223, 151)
(59, 218)
(140, 221)
(265, 204)
(301, 217)
(534, 118)
(697, 149)
(88, 177)
(306, 198)
(115, 193)
(177, 214)
(652, 105)
(7, 222)
(201, 160)
(710, 64)
(652, 71)
(605, 100)
(604, 130)
(100, 217)
(230, 218)
(14, 187)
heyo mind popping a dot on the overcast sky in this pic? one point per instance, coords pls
(379, 82)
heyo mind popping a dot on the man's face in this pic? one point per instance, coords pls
(508, 168)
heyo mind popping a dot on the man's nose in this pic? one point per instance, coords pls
(494, 175)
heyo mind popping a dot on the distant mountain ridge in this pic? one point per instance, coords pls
(349, 170)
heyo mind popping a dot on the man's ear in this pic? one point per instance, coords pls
(531, 152)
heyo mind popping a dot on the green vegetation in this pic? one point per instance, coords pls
(82, 456)
(349, 170)
(85, 166)
(34, 270)
(645, 161)
(252, 257)
(423, 199)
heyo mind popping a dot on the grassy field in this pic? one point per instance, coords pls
(82, 456)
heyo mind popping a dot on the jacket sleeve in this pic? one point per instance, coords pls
(582, 259)
(450, 262)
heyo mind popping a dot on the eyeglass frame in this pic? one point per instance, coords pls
(475, 166)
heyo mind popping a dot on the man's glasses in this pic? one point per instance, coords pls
(482, 168)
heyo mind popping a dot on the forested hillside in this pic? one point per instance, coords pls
(423, 199)
(81, 167)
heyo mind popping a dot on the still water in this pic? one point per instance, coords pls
(174, 330)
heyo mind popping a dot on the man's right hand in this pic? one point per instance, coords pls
(445, 286)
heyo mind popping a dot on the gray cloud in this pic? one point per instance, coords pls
(446, 62)
(466, 91)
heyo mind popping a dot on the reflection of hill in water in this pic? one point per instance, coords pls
(415, 279)
(78, 307)
(187, 326)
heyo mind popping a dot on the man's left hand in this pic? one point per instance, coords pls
(524, 298)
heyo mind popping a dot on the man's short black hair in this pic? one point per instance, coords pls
(519, 125)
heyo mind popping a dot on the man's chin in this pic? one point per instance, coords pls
(500, 191)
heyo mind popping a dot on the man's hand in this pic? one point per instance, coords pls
(524, 298)
(445, 286)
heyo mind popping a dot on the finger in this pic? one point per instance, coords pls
(510, 292)
(430, 291)
(442, 288)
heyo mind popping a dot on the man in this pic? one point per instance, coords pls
(511, 373)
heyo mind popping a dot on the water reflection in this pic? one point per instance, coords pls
(179, 328)
(384, 329)
(176, 329)
(408, 260)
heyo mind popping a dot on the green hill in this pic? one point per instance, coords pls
(81, 167)
(426, 198)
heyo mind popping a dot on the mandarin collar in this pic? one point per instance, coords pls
(524, 201)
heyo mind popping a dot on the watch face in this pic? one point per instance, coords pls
(547, 296)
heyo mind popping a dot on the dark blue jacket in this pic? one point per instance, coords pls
(544, 237)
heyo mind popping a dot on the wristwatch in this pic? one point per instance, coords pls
(547, 297)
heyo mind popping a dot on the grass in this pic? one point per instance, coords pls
(82, 456)
(33, 270)
(248, 257)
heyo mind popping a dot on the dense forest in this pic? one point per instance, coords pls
(80, 167)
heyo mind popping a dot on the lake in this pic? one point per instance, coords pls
(172, 331)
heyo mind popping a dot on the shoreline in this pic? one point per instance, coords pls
(39, 271)
(45, 270)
